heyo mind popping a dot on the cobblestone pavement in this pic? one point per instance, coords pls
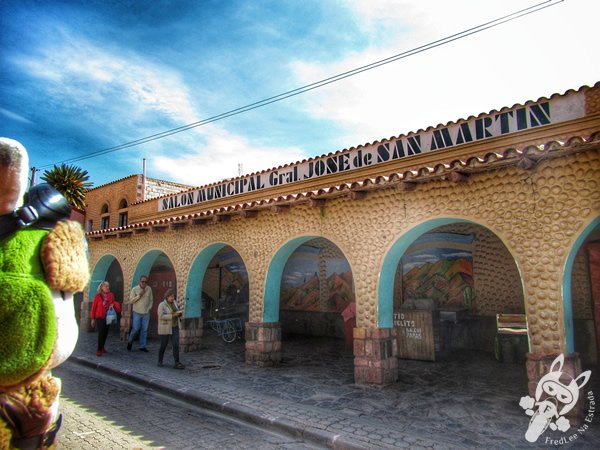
(469, 400)
(102, 412)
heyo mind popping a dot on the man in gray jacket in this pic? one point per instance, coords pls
(141, 299)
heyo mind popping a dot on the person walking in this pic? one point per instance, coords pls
(141, 299)
(102, 302)
(168, 327)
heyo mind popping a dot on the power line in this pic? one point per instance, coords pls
(309, 87)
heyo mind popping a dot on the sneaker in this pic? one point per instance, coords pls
(99, 353)
(160, 364)
(144, 349)
(179, 366)
(129, 346)
(103, 351)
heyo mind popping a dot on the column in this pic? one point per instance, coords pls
(190, 334)
(263, 343)
(375, 356)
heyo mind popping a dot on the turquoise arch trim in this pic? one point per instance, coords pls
(385, 301)
(99, 274)
(145, 265)
(274, 274)
(193, 292)
(566, 284)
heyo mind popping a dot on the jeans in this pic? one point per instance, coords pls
(140, 324)
(164, 340)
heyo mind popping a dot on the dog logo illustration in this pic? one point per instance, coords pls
(553, 399)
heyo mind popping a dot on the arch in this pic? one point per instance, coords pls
(566, 284)
(99, 273)
(385, 296)
(193, 292)
(144, 266)
(159, 268)
(273, 279)
(105, 209)
(123, 203)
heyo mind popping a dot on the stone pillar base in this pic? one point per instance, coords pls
(125, 322)
(84, 317)
(263, 343)
(375, 356)
(539, 365)
(190, 335)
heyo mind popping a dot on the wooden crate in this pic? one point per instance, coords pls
(418, 333)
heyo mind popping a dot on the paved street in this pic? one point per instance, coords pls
(102, 412)
(467, 401)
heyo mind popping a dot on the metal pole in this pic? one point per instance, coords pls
(144, 180)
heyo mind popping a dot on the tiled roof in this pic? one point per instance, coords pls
(367, 144)
(456, 170)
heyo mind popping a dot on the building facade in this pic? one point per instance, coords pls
(435, 236)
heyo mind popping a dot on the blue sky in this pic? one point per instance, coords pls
(80, 76)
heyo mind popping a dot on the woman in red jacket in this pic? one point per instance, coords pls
(103, 300)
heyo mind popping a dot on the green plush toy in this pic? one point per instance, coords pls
(42, 263)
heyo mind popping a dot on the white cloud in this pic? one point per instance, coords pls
(82, 73)
(141, 93)
(13, 116)
(537, 55)
(220, 157)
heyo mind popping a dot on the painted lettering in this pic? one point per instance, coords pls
(481, 128)
(362, 159)
(539, 114)
(444, 137)
(441, 139)
(414, 145)
(503, 118)
(383, 153)
(464, 134)
(398, 150)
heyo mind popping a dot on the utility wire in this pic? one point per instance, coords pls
(309, 87)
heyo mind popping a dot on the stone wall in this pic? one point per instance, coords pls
(536, 214)
(111, 194)
(157, 188)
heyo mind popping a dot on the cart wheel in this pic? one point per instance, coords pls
(229, 333)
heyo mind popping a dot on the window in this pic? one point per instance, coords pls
(123, 213)
(105, 217)
(90, 225)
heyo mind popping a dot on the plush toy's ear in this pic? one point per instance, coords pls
(64, 257)
(14, 167)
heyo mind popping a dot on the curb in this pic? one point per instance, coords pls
(247, 414)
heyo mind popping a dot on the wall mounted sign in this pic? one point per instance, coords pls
(532, 115)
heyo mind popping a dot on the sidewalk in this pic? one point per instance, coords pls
(469, 402)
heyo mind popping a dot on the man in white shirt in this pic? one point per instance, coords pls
(141, 299)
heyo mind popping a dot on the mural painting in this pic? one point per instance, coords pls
(316, 283)
(439, 267)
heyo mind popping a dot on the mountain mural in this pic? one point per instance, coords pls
(448, 282)
(338, 289)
